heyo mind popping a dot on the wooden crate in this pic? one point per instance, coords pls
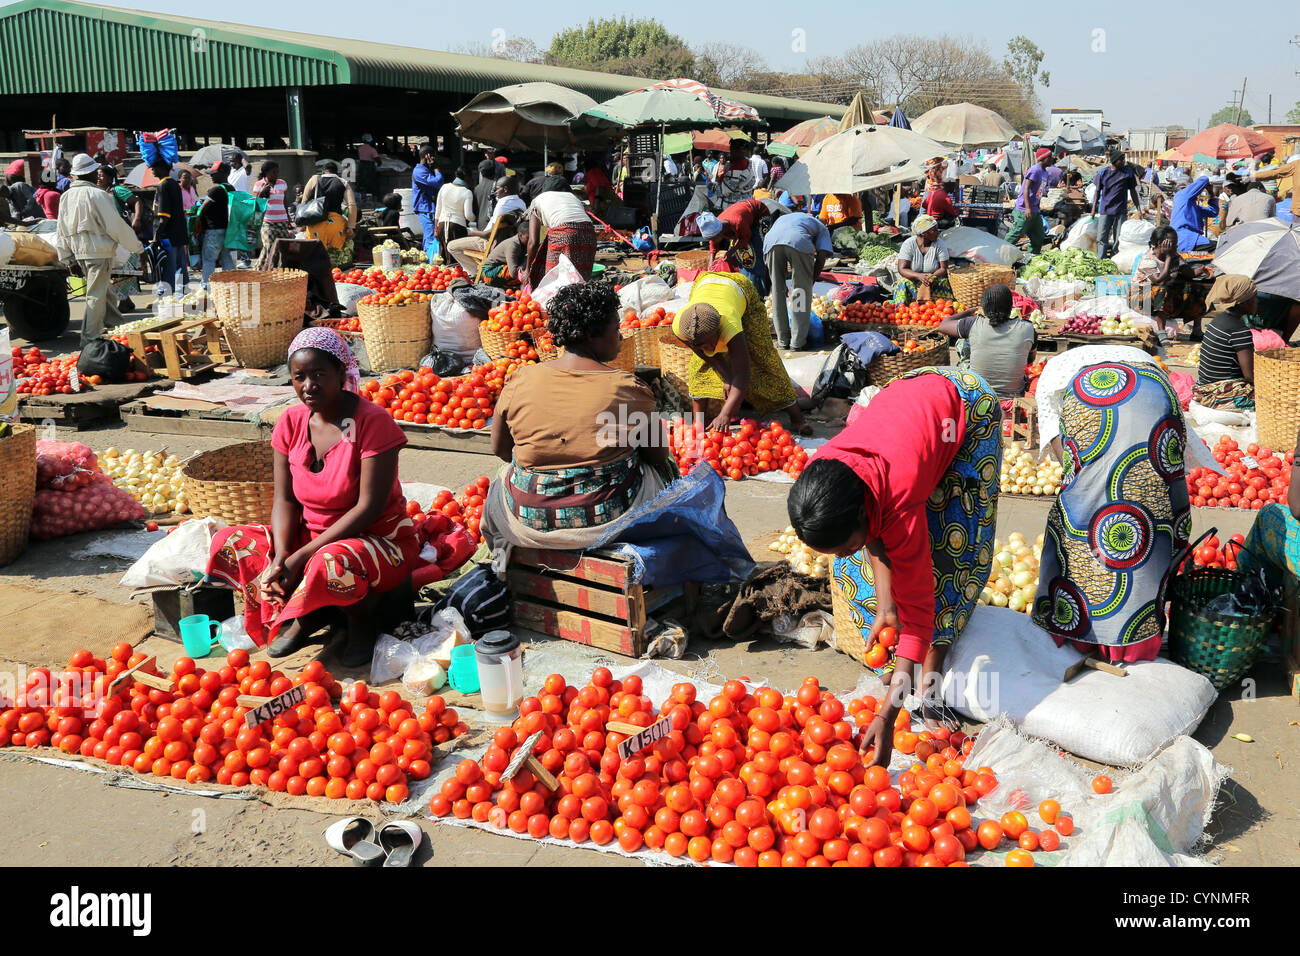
(186, 350)
(1024, 420)
(180, 416)
(584, 596)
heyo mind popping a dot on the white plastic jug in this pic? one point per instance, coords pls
(500, 671)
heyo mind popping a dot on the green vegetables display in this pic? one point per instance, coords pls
(863, 245)
(1068, 264)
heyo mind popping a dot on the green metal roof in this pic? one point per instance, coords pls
(88, 48)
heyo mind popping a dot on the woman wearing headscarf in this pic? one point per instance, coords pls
(906, 499)
(1111, 416)
(1189, 216)
(725, 324)
(339, 533)
(1226, 376)
(923, 264)
(558, 225)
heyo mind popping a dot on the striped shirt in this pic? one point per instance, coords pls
(275, 211)
(1225, 336)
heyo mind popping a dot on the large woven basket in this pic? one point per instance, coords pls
(397, 336)
(626, 358)
(495, 342)
(1222, 647)
(260, 311)
(235, 483)
(696, 260)
(647, 344)
(885, 368)
(969, 282)
(17, 490)
(848, 636)
(675, 361)
(1277, 396)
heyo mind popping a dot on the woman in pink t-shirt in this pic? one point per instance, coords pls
(339, 533)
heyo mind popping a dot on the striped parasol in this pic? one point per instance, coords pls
(809, 132)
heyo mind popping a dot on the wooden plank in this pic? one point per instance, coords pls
(524, 583)
(583, 565)
(571, 626)
(474, 443)
(173, 423)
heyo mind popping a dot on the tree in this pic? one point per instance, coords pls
(1229, 115)
(1294, 115)
(730, 65)
(627, 47)
(1022, 61)
(517, 48)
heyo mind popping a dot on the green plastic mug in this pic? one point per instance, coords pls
(200, 634)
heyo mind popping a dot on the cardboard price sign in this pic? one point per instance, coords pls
(644, 738)
(273, 707)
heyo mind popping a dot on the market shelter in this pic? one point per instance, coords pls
(290, 85)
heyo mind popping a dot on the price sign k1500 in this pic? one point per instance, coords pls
(644, 738)
(276, 706)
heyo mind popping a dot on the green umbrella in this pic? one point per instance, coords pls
(782, 149)
(672, 104)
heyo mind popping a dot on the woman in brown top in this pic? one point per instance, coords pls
(583, 442)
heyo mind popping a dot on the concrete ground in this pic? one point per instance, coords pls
(49, 810)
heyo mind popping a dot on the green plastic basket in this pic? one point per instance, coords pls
(1222, 647)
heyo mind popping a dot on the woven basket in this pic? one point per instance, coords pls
(886, 368)
(17, 490)
(848, 636)
(260, 312)
(626, 358)
(697, 260)
(235, 483)
(494, 343)
(397, 336)
(969, 282)
(1277, 396)
(1222, 647)
(647, 344)
(675, 361)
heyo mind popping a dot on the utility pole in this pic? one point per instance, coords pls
(1237, 119)
(1270, 109)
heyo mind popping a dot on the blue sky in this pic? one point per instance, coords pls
(1145, 64)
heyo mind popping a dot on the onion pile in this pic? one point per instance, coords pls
(801, 557)
(1022, 475)
(1013, 579)
(151, 478)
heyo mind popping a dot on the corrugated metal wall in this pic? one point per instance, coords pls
(50, 51)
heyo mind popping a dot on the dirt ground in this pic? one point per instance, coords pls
(50, 810)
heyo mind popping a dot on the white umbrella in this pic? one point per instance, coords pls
(861, 157)
(214, 153)
(1267, 252)
(964, 125)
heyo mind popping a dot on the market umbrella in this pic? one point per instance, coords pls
(142, 176)
(216, 152)
(859, 158)
(718, 139)
(898, 120)
(527, 116)
(805, 134)
(1266, 252)
(672, 104)
(1226, 141)
(1073, 136)
(858, 113)
(964, 125)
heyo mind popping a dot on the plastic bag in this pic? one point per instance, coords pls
(6, 248)
(349, 294)
(31, 250)
(561, 275)
(643, 294)
(99, 504)
(455, 330)
(1136, 231)
(424, 676)
(65, 465)
(669, 641)
(178, 558)
(445, 364)
(390, 660)
(1083, 235)
(815, 627)
(234, 637)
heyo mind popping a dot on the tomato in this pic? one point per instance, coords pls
(1101, 784)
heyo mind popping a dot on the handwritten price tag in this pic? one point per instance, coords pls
(640, 741)
(276, 706)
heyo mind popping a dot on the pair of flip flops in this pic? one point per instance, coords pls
(393, 844)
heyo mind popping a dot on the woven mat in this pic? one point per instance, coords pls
(42, 628)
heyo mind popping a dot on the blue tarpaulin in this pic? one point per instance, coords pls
(868, 345)
(683, 535)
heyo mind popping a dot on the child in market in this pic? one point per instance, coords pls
(392, 212)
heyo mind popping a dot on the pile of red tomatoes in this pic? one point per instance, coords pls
(422, 398)
(1210, 555)
(424, 279)
(367, 748)
(889, 313)
(750, 777)
(466, 508)
(751, 449)
(518, 315)
(1255, 477)
(51, 377)
(654, 318)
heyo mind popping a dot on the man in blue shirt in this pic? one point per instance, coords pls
(1025, 218)
(426, 180)
(797, 244)
(1115, 184)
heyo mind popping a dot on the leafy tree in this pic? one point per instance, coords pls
(629, 47)
(1229, 115)
(1293, 116)
(1022, 61)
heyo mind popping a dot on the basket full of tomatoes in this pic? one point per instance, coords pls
(645, 332)
(1255, 476)
(510, 321)
(395, 323)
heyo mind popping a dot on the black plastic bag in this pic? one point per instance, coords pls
(842, 376)
(108, 359)
(443, 363)
(477, 300)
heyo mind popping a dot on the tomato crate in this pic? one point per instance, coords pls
(589, 597)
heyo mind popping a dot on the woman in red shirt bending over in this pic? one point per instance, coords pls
(906, 499)
(339, 535)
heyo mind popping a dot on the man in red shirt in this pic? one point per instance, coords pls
(939, 205)
(733, 233)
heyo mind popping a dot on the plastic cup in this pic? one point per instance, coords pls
(463, 674)
(199, 635)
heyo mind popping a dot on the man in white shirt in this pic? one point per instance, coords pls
(758, 166)
(455, 208)
(670, 167)
(508, 203)
(241, 180)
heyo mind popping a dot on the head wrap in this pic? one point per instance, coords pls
(555, 168)
(1043, 153)
(330, 342)
(697, 323)
(923, 224)
(17, 168)
(1228, 292)
(709, 224)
